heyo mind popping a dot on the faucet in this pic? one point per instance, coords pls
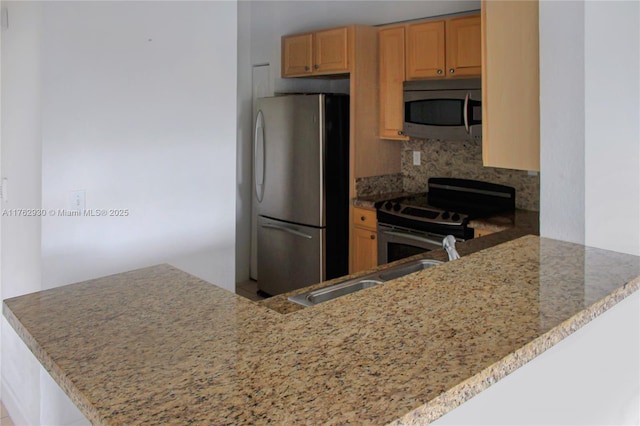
(449, 244)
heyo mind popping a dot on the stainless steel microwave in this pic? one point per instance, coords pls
(443, 109)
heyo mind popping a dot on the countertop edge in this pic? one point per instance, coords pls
(66, 384)
(465, 390)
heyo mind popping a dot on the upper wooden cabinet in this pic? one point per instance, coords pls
(317, 53)
(297, 55)
(425, 50)
(464, 52)
(510, 85)
(391, 59)
(446, 48)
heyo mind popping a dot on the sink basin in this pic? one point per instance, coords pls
(313, 297)
(407, 268)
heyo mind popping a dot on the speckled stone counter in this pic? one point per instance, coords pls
(368, 202)
(158, 346)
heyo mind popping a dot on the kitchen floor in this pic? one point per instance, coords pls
(248, 289)
(5, 420)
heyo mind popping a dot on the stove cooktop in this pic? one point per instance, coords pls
(449, 202)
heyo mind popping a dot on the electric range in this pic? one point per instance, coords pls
(418, 223)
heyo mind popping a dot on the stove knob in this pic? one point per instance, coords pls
(455, 217)
(388, 205)
(445, 215)
(396, 207)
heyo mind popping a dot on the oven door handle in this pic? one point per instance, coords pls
(413, 237)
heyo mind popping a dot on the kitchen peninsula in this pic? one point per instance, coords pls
(159, 346)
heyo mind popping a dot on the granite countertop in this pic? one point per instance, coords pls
(159, 346)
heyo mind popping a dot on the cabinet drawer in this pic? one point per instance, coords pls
(364, 218)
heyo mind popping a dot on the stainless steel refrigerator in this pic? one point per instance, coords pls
(301, 169)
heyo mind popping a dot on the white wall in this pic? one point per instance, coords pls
(562, 121)
(590, 123)
(139, 111)
(135, 103)
(21, 164)
(612, 125)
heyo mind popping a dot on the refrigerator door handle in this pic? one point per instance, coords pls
(287, 229)
(258, 156)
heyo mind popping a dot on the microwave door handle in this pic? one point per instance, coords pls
(465, 112)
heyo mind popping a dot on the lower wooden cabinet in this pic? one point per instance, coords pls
(364, 244)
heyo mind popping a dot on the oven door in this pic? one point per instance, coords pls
(396, 243)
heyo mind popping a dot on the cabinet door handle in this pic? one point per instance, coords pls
(316, 66)
(439, 72)
(362, 218)
(400, 133)
(451, 70)
(373, 237)
(306, 68)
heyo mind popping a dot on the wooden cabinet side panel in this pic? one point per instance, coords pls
(510, 85)
(463, 46)
(391, 68)
(297, 55)
(331, 50)
(371, 155)
(425, 50)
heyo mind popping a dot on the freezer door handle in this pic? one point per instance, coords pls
(258, 156)
(287, 229)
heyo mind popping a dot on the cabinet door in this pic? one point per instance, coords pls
(510, 85)
(331, 51)
(425, 50)
(464, 56)
(365, 249)
(391, 66)
(297, 55)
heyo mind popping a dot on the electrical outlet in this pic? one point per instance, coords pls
(78, 200)
(416, 158)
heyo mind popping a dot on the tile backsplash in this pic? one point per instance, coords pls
(460, 159)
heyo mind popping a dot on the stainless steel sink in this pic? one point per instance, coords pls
(313, 297)
(406, 269)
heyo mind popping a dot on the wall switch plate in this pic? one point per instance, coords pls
(78, 200)
(416, 158)
(4, 190)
